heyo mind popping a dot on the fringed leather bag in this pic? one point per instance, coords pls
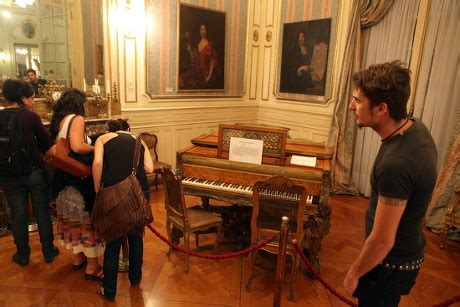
(122, 208)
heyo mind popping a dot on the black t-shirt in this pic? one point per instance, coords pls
(405, 168)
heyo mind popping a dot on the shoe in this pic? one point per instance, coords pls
(136, 283)
(77, 267)
(53, 255)
(102, 293)
(22, 261)
(94, 276)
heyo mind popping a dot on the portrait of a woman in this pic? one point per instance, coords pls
(201, 56)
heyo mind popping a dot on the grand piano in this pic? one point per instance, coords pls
(207, 172)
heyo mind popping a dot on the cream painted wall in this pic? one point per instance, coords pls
(176, 121)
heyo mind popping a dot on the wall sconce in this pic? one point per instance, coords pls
(3, 55)
(23, 3)
(131, 18)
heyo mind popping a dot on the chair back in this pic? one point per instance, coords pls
(273, 199)
(174, 196)
(151, 140)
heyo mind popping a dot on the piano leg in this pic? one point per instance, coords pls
(319, 228)
(205, 202)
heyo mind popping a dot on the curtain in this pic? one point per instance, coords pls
(437, 103)
(385, 42)
(437, 97)
(366, 13)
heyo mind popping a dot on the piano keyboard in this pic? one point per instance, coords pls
(232, 188)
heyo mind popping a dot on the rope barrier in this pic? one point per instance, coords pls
(321, 280)
(262, 244)
(449, 302)
(209, 256)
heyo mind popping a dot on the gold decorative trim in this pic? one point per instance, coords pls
(255, 35)
(49, 90)
(268, 36)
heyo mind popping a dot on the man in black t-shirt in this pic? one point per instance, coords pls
(34, 80)
(402, 181)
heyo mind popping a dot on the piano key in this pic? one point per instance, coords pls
(241, 189)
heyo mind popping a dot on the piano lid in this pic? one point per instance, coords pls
(293, 146)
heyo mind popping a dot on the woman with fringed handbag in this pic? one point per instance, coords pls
(122, 207)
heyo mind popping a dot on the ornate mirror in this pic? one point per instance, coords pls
(62, 40)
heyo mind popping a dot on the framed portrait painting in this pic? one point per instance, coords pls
(304, 57)
(201, 49)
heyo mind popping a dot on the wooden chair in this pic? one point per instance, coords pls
(188, 220)
(151, 140)
(273, 199)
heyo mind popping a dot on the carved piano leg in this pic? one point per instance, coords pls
(319, 228)
(205, 202)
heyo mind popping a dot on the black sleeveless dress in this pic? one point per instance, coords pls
(118, 162)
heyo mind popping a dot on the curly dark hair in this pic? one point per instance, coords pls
(389, 83)
(71, 102)
(118, 124)
(14, 90)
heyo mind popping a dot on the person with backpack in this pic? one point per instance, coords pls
(23, 141)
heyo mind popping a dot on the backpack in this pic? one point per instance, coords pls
(16, 157)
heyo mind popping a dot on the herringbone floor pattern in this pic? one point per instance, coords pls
(221, 283)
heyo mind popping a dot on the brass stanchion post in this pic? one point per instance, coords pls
(281, 263)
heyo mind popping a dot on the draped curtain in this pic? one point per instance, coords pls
(366, 13)
(385, 42)
(437, 103)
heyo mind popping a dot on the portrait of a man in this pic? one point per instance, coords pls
(304, 57)
(201, 49)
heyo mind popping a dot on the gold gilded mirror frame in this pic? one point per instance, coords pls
(68, 37)
(314, 12)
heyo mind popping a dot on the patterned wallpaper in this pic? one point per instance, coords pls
(162, 46)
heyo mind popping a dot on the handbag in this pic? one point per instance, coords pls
(122, 208)
(62, 157)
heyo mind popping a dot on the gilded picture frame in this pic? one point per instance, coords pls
(201, 49)
(304, 57)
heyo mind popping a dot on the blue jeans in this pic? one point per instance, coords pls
(383, 287)
(17, 191)
(111, 257)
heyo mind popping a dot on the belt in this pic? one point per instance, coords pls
(409, 266)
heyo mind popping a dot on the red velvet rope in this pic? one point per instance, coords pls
(206, 256)
(209, 256)
(262, 244)
(321, 280)
(449, 302)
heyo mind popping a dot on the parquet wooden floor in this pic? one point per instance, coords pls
(212, 283)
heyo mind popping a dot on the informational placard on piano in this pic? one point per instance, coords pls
(302, 160)
(246, 150)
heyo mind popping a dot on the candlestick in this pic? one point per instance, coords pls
(84, 85)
